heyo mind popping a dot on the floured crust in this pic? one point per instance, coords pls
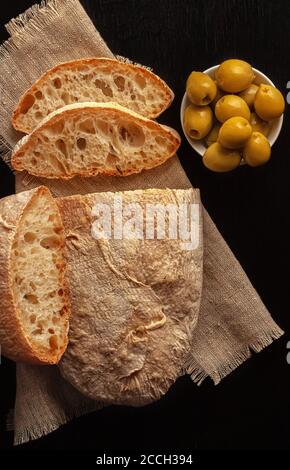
(117, 142)
(14, 338)
(134, 303)
(92, 79)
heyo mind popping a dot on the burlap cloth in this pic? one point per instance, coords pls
(233, 321)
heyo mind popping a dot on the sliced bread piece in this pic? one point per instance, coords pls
(95, 79)
(34, 305)
(86, 139)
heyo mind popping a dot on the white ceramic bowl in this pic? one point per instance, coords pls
(276, 124)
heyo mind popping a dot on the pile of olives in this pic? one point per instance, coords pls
(232, 114)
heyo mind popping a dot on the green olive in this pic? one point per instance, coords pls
(200, 88)
(248, 95)
(217, 158)
(219, 94)
(258, 125)
(269, 102)
(198, 121)
(234, 133)
(213, 135)
(257, 150)
(234, 75)
(229, 106)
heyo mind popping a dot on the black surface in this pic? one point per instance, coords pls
(250, 408)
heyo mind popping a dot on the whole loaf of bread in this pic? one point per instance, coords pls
(134, 301)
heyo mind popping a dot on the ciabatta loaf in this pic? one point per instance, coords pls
(95, 79)
(135, 300)
(87, 139)
(34, 304)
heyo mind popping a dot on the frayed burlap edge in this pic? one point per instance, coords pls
(5, 152)
(36, 431)
(33, 19)
(198, 374)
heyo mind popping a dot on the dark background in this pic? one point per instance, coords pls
(250, 408)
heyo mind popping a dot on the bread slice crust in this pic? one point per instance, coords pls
(14, 340)
(109, 79)
(143, 155)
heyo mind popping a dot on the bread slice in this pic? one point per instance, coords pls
(34, 306)
(86, 139)
(135, 301)
(95, 79)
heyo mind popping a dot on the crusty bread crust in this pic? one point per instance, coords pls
(15, 343)
(135, 302)
(111, 112)
(161, 96)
